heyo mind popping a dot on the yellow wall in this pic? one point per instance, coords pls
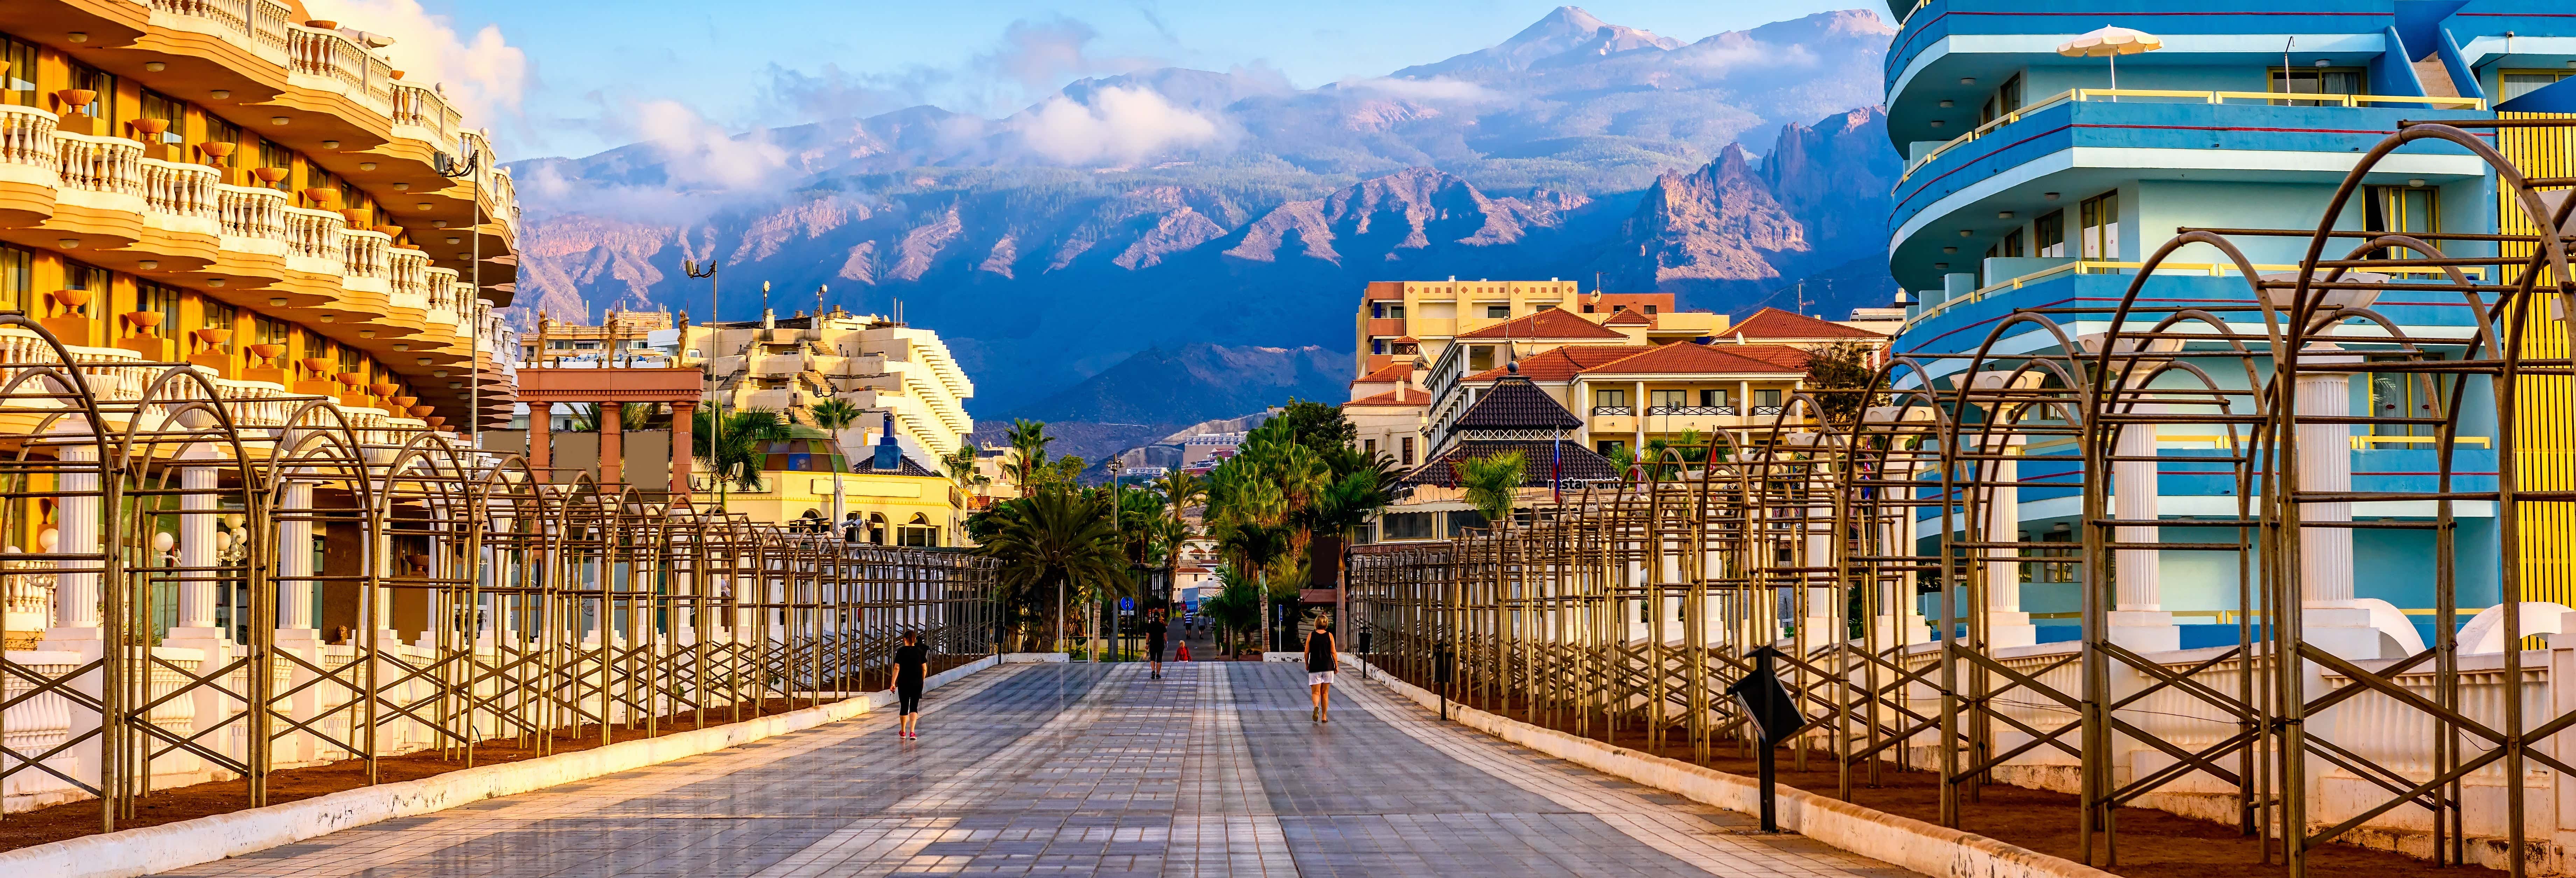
(2545, 425)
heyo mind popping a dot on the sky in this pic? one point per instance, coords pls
(573, 77)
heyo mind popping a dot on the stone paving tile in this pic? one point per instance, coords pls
(1213, 770)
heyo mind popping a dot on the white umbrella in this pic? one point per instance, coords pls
(2111, 43)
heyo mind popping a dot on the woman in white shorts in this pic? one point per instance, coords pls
(1320, 664)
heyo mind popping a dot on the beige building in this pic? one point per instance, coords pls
(1399, 321)
(622, 337)
(872, 362)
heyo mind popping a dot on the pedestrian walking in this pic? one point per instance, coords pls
(1154, 629)
(1320, 663)
(911, 669)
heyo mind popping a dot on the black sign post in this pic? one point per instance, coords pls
(1441, 659)
(1773, 711)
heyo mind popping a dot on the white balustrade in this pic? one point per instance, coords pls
(365, 253)
(314, 234)
(27, 137)
(184, 191)
(406, 270)
(112, 165)
(250, 212)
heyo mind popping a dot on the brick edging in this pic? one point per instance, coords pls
(1901, 841)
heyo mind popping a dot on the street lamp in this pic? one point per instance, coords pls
(1117, 524)
(469, 169)
(715, 431)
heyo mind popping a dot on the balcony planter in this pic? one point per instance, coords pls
(76, 100)
(357, 216)
(406, 401)
(322, 24)
(73, 300)
(217, 149)
(144, 320)
(384, 390)
(214, 336)
(316, 364)
(269, 175)
(269, 352)
(421, 411)
(390, 231)
(319, 195)
(351, 379)
(435, 421)
(397, 74)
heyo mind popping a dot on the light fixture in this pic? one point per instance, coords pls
(366, 166)
(452, 239)
(443, 224)
(402, 187)
(69, 243)
(327, 318)
(402, 347)
(215, 282)
(148, 264)
(423, 205)
(155, 66)
(277, 303)
(77, 37)
(1948, 104)
(277, 120)
(1967, 80)
(366, 333)
(1949, 250)
(1936, 123)
(330, 144)
(221, 94)
(1940, 266)
(440, 373)
(424, 361)
(2321, 62)
(2419, 184)
(1966, 233)
(2052, 196)
(453, 385)
(2006, 214)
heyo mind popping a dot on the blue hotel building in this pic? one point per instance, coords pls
(2029, 183)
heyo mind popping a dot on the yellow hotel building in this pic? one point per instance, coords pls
(237, 186)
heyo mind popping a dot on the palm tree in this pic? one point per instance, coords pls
(835, 415)
(1180, 488)
(1029, 440)
(1235, 608)
(1048, 543)
(630, 416)
(735, 454)
(1493, 484)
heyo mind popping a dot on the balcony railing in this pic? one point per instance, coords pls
(184, 191)
(1612, 410)
(112, 165)
(247, 212)
(2273, 98)
(2103, 266)
(365, 253)
(1761, 410)
(406, 272)
(313, 234)
(27, 137)
(1691, 410)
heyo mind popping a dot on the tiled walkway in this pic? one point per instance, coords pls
(1080, 770)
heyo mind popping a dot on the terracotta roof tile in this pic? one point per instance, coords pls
(1687, 359)
(1775, 323)
(1788, 357)
(1392, 372)
(1540, 458)
(1630, 318)
(1561, 364)
(1400, 396)
(1553, 323)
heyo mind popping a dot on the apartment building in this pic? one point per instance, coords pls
(263, 198)
(621, 337)
(1404, 321)
(2031, 182)
(872, 362)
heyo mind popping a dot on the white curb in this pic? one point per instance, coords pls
(151, 849)
(1900, 841)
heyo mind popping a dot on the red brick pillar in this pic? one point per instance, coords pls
(612, 443)
(683, 444)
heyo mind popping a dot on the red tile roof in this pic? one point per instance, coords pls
(1687, 359)
(1785, 356)
(1561, 364)
(1393, 372)
(1398, 397)
(1775, 323)
(1630, 317)
(1553, 323)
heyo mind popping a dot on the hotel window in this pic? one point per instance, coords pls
(2402, 395)
(1480, 358)
(2048, 235)
(219, 315)
(1609, 398)
(2100, 233)
(2516, 83)
(2402, 209)
(1498, 312)
(160, 106)
(152, 298)
(94, 79)
(1407, 447)
(18, 83)
(349, 361)
(1609, 447)
(1668, 399)
(1766, 399)
(2319, 81)
(83, 277)
(272, 155)
(17, 279)
(1377, 345)
(272, 330)
(1713, 398)
(220, 131)
(1368, 448)
(2003, 102)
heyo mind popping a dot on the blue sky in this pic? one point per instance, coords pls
(590, 65)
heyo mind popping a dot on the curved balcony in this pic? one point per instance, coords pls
(99, 193)
(1939, 40)
(28, 174)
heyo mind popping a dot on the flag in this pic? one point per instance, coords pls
(1556, 468)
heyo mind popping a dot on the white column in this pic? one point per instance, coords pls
(1637, 410)
(2138, 619)
(197, 549)
(76, 595)
(2333, 620)
(2006, 624)
(295, 610)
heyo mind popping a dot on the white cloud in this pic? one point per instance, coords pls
(1119, 125)
(1731, 51)
(483, 74)
(1439, 88)
(698, 154)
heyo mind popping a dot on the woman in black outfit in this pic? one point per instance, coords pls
(1320, 663)
(1154, 629)
(911, 667)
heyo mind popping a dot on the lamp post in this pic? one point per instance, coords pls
(1117, 525)
(715, 318)
(470, 169)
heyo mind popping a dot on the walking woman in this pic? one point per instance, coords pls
(1320, 662)
(911, 667)
(1154, 629)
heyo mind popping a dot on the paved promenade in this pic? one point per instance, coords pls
(1214, 770)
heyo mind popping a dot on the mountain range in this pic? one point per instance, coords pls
(1176, 240)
